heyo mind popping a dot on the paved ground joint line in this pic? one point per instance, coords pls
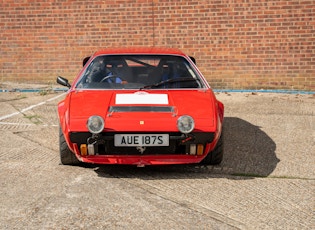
(30, 107)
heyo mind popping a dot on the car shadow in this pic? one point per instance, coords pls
(248, 153)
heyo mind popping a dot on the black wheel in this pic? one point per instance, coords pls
(66, 156)
(215, 156)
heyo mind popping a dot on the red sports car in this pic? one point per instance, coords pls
(140, 106)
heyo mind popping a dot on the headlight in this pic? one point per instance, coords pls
(185, 124)
(95, 124)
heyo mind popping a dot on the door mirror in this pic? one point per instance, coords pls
(63, 81)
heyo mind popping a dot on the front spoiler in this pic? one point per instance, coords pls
(141, 160)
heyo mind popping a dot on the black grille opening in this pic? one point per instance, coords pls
(105, 144)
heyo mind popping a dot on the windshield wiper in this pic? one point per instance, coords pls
(172, 80)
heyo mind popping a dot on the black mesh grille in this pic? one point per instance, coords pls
(165, 109)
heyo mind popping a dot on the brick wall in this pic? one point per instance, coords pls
(237, 43)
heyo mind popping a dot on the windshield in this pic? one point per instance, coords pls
(139, 72)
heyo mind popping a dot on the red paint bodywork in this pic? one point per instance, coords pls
(80, 104)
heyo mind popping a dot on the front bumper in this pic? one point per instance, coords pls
(178, 152)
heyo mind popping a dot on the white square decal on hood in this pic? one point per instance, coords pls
(141, 98)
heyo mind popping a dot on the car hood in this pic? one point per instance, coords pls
(156, 110)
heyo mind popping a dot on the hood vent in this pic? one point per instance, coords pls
(162, 109)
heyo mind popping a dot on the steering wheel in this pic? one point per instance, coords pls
(109, 77)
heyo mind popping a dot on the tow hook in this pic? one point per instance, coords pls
(188, 138)
(93, 142)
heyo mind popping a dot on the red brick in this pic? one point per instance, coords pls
(237, 44)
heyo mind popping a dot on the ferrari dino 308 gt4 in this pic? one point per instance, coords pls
(140, 106)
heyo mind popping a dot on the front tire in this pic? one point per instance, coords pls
(216, 155)
(66, 156)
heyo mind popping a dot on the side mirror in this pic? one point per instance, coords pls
(85, 60)
(63, 81)
(193, 60)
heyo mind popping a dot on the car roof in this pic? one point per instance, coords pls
(140, 50)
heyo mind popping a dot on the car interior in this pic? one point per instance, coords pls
(139, 71)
